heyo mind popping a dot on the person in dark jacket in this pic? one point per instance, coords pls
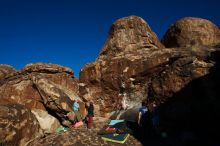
(142, 116)
(90, 115)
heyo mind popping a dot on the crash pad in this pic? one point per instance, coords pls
(113, 122)
(114, 137)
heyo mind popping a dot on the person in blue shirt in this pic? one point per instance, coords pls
(142, 114)
(75, 108)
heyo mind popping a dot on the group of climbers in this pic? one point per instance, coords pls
(89, 117)
(148, 115)
(148, 121)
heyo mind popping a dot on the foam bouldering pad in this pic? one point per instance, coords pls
(105, 130)
(113, 122)
(118, 138)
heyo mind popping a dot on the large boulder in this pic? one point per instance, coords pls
(183, 82)
(135, 73)
(120, 59)
(55, 99)
(191, 31)
(18, 125)
(18, 87)
(150, 74)
(41, 86)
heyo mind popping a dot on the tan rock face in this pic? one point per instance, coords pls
(158, 73)
(48, 123)
(17, 125)
(56, 99)
(191, 31)
(21, 91)
(41, 86)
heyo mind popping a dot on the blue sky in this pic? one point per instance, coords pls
(72, 32)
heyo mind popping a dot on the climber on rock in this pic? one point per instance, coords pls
(124, 103)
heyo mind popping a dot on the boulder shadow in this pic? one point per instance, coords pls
(190, 116)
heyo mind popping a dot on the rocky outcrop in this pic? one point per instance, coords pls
(41, 86)
(136, 73)
(132, 66)
(18, 125)
(129, 34)
(55, 99)
(79, 137)
(151, 74)
(5, 70)
(48, 123)
(19, 88)
(191, 31)
(128, 41)
(182, 81)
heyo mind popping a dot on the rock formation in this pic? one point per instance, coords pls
(41, 86)
(129, 34)
(55, 99)
(138, 67)
(132, 66)
(191, 31)
(48, 123)
(18, 125)
(5, 70)
(129, 40)
(180, 80)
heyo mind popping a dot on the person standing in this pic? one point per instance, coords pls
(143, 122)
(90, 115)
(142, 116)
(75, 108)
(155, 118)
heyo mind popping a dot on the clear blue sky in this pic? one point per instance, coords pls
(72, 32)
